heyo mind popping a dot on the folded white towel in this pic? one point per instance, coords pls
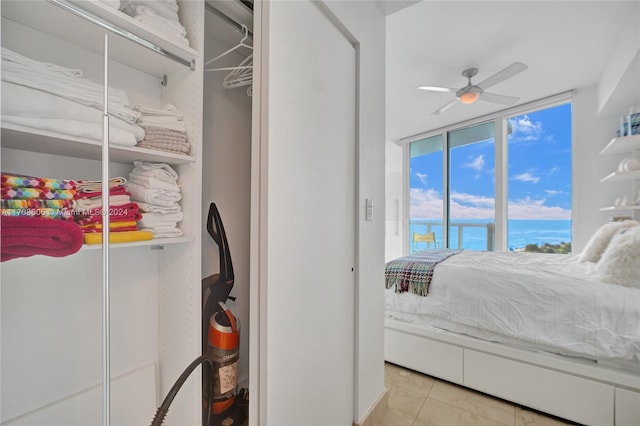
(162, 171)
(63, 82)
(94, 203)
(153, 183)
(81, 129)
(142, 7)
(159, 197)
(153, 208)
(168, 110)
(25, 101)
(164, 232)
(164, 26)
(159, 220)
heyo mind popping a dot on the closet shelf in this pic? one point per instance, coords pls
(83, 23)
(620, 208)
(622, 145)
(151, 243)
(617, 177)
(45, 142)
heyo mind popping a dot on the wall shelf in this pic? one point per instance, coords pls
(161, 242)
(621, 145)
(617, 177)
(22, 138)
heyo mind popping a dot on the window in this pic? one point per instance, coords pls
(539, 201)
(500, 183)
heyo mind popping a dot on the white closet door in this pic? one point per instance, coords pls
(311, 215)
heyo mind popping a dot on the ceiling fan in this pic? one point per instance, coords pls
(472, 92)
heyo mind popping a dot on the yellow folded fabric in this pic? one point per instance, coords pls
(119, 237)
(112, 225)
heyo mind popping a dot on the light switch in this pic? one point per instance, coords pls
(369, 209)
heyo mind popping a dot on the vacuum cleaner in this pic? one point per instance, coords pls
(220, 344)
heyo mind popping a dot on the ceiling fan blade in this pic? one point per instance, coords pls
(499, 99)
(438, 89)
(445, 106)
(508, 72)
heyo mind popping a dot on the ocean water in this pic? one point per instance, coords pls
(520, 232)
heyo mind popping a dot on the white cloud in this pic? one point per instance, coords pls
(427, 204)
(523, 129)
(477, 163)
(553, 192)
(526, 177)
(422, 177)
(536, 209)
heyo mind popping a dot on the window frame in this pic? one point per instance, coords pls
(500, 119)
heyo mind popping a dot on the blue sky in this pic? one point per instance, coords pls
(539, 173)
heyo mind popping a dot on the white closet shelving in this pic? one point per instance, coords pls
(629, 181)
(50, 312)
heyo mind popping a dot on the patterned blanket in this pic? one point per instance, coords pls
(413, 273)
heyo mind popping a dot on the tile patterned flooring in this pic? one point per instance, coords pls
(419, 400)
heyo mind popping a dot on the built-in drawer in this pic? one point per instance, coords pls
(627, 408)
(426, 356)
(557, 393)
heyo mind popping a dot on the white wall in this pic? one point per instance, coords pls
(367, 24)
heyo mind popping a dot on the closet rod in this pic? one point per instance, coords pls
(226, 18)
(78, 11)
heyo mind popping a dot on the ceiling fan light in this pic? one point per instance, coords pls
(469, 97)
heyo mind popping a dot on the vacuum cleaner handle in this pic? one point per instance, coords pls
(220, 237)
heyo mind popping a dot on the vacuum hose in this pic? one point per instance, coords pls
(161, 413)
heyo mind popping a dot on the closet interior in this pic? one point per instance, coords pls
(54, 328)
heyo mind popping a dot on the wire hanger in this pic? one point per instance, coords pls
(234, 48)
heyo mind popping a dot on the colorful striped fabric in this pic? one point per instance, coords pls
(37, 204)
(19, 181)
(11, 193)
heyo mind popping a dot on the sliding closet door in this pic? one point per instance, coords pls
(310, 255)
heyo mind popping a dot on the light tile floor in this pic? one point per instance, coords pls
(419, 400)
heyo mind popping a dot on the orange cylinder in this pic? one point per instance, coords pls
(224, 346)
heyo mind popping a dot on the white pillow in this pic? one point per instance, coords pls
(620, 262)
(600, 239)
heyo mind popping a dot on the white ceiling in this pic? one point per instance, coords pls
(565, 44)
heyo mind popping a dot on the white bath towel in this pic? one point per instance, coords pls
(64, 82)
(153, 183)
(81, 129)
(165, 232)
(153, 208)
(159, 220)
(162, 171)
(159, 197)
(112, 3)
(24, 101)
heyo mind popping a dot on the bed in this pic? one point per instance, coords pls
(547, 331)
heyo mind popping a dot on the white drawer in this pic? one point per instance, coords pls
(426, 356)
(561, 394)
(627, 408)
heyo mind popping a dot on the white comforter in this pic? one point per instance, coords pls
(550, 301)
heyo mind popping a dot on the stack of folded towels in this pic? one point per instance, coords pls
(123, 213)
(164, 129)
(154, 187)
(29, 205)
(161, 15)
(37, 197)
(42, 96)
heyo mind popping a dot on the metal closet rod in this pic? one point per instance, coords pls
(121, 32)
(226, 18)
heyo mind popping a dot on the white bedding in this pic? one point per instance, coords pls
(553, 302)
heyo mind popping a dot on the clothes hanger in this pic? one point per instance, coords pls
(242, 75)
(234, 48)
